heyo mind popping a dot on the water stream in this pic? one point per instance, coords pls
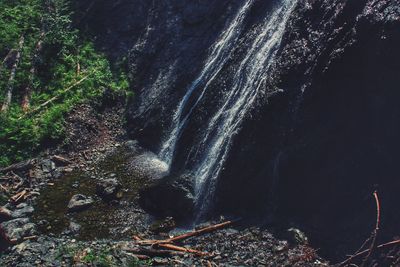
(215, 62)
(248, 84)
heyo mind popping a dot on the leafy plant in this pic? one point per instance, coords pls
(67, 58)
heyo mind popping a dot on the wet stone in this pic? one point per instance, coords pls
(74, 227)
(22, 211)
(18, 228)
(296, 236)
(48, 166)
(79, 202)
(108, 188)
(5, 214)
(163, 226)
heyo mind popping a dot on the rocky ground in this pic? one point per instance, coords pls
(77, 205)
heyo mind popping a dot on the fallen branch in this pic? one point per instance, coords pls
(20, 166)
(183, 249)
(55, 97)
(141, 257)
(136, 237)
(4, 188)
(18, 185)
(16, 176)
(376, 230)
(154, 252)
(373, 236)
(186, 235)
(19, 195)
(33, 237)
(394, 242)
(61, 160)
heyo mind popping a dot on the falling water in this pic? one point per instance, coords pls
(248, 83)
(248, 79)
(215, 61)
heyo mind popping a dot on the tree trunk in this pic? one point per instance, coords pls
(10, 54)
(10, 85)
(26, 97)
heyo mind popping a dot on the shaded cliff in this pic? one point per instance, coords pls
(321, 137)
(317, 151)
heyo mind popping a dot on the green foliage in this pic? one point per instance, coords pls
(90, 256)
(17, 18)
(65, 59)
(101, 258)
(136, 262)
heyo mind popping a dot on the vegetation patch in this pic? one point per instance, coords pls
(47, 67)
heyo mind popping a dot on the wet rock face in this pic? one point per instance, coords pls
(312, 152)
(315, 152)
(170, 196)
(164, 44)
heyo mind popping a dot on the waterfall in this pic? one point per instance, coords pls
(248, 79)
(215, 61)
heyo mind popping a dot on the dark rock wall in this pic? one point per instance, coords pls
(314, 151)
(165, 43)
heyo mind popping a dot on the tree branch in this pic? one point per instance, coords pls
(55, 97)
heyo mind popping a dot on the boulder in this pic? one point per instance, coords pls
(48, 165)
(133, 145)
(23, 210)
(79, 202)
(108, 188)
(73, 228)
(296, 236)
(18, 228)
(169, 196)
(163, 226)
(5, 214)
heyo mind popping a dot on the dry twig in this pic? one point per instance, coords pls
(61, 160)
(183, 249)
(373, 237)
(17, 197)
(186, 235)
(376, 230)
(391, 243)
(167, 249)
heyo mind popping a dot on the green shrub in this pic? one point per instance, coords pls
(66, 58)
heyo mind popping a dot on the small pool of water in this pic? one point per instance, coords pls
(102, 219)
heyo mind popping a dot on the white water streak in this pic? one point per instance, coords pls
(247, 85)
(216, 60)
